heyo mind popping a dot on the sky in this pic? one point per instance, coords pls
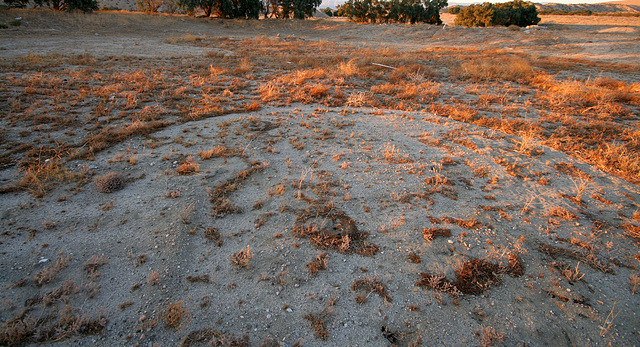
(333, 3)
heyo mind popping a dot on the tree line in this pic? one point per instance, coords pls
(246, 9)
(393, 11)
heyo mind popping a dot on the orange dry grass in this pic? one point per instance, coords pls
(496, 68)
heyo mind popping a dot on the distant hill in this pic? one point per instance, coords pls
(632, 6)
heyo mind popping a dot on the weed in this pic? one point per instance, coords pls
(608, 321)
(173, 314)
(370, 285)
(188, 167)
(473, 276)
(634, 282)
(414, 258)
(562, 213)
(93, 264)
(430, 233)
(438, 283)
(48, 274)
(213, 338)
(111, 182)
(125, 304)
(333, 230)
(502, 68)
(318, 325)
(490, 336)
(153, 278)
(586, 257)
(212, 234)
(631, 231)
(219, 151)
(573, 275)
(572, 170)
(201, 278)
(25, 328)
(222, 206)
(185, 217)
(319, 263)
(242, 257)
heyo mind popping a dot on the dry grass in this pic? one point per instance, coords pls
(173, 314)
(318, 325)
(319, 263)
(49, 274)
(489, 336)
(242, 257)
(188, 167)
(214, 338)
(369, 285)
(496, 68)
(111, 182)
(218, 152)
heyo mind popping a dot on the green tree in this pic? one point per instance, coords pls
(60, 5)
(517, 12)
(393, 11)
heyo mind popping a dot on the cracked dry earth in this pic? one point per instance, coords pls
(300, 222)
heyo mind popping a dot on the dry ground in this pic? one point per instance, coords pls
(172, 180)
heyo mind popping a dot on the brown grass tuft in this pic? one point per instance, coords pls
(188, 167)
(48, 274)
(318, 325)
(111, 182)
(319, 263)
(369, 285)
(502, 68)
(242, 257)
(213, 338)
(173, 314)
(430, 233)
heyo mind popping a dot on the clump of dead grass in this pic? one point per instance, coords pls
(473, 276)
(110, 182)
(188, 167)
(318, 324)
(213, 338)
(319, 263)
(218, 152)
(489, 336)
(242, 257)
(219, 196)
(173, 314)
(48, 274)
(367, 285)
(26, 328)
(496, 68)
(586, 257)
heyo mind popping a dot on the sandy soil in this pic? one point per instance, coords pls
(399, 197)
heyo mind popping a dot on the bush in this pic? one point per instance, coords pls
(110, 182)
(516, 12)
(393, 11)
(454, 9)
(61, 5)
(149, 6)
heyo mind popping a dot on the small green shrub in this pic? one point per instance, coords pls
(15, 23)
(516, 12)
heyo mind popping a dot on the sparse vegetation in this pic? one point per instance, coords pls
(446, 163)
(111, 182)
(242, 257)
